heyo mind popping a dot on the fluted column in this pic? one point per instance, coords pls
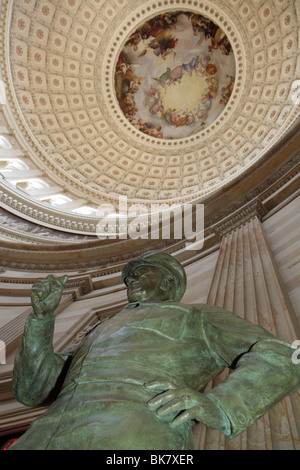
(246, 281)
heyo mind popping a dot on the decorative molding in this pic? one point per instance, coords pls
(83, 283)
(108, 256)
(279, 183)
(253, 209)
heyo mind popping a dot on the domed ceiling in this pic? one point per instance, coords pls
(175, 75)
(165, 100)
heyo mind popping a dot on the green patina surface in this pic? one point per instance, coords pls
(136, 380)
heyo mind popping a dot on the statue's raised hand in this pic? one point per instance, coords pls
(46, 294)
(180, 405)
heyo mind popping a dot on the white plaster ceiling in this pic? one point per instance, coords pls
(59, 62)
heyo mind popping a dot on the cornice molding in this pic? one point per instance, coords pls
(253, 209)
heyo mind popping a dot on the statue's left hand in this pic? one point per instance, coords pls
(184, 404)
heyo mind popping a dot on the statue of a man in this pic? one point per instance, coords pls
(136, 381)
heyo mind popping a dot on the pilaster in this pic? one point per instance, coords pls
(247, 282)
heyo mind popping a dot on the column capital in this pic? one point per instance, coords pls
(254, 208)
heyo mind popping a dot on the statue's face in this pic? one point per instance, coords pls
(148, 283)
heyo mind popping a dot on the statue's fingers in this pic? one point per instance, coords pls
(40, 284)
(54, 279)
(36, 289)
(174, 406)
(159, 385)
(166, 397)
(41, 288)
(56, 282)
(35, 296)
(180, 398)
(162, 399)
(36, 301)
(185, 416)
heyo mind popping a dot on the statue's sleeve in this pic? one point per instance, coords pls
(38, 371)
(263, 370)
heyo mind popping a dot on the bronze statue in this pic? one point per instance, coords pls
(136, 381)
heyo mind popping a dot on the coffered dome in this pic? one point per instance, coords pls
(166, 100)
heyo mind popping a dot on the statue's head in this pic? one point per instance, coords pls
(154, 276)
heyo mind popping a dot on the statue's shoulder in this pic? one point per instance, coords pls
(176, 306)
(198, 306)
(188, 308)
(208, 309)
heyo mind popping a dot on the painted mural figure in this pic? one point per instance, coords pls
(137, 379)
(187, 57)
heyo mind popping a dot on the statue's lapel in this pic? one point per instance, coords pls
(166, 319)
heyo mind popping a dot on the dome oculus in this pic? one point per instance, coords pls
(175, 75)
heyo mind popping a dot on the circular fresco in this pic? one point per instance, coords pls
(174, 75)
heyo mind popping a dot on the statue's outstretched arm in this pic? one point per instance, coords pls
(37, 369)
